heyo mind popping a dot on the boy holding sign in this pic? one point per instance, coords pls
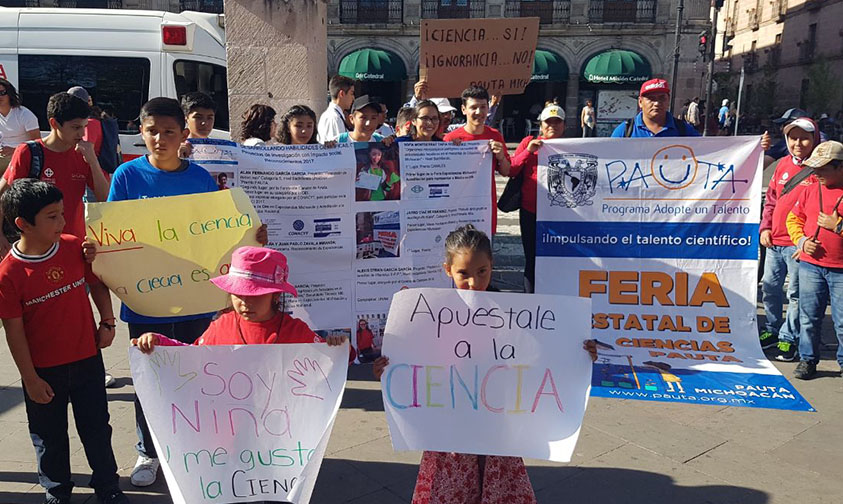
(161, 173)
(52, 337)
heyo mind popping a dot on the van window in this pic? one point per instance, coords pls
(118, 86)
(205, 77)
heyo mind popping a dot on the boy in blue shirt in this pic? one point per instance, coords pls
(161, 173)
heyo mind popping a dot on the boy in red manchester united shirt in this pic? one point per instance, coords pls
(815, 226)
(54, 341)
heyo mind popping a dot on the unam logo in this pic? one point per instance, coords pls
(298, 225)
(55, 274)
(571, 179)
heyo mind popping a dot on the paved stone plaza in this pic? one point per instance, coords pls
(628, 451)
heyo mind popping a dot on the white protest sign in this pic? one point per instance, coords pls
(347, 252)
(486, 373)
(240, 423)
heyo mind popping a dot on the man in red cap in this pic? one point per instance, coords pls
(655, 119)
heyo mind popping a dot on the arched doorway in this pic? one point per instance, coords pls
(611, 80)
(549, 81)
(380, 74)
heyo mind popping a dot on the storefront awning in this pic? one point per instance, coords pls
(549, 67)
(617, 66)
(373, 65)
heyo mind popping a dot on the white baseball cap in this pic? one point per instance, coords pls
(801, 123)
(443, 105)
(552, 111)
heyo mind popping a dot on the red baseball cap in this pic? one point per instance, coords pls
(654, 86)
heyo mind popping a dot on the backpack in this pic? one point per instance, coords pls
(681, 126)
(110, 156)
(36, 165)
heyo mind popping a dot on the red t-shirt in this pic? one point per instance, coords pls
(224, 331)
(93, 134)
(489, 133)
(776, 206)
(365, 339)
(528, 162)
(49, 293)
(829, 253)
(68, 171)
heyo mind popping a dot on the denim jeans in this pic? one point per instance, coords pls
(82, 384)
(818, 286)
(777, 266)
(186, 332)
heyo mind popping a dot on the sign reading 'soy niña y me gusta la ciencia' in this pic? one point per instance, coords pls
(494, 53)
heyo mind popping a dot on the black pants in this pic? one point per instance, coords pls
(527, 220)
(186, 332)
(82, 384)
(589, 131)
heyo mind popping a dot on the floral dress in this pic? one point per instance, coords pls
(457, 478)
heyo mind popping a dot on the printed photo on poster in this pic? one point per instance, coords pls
(378, 174)
(224, 179)
(378, 234)
(368, 336)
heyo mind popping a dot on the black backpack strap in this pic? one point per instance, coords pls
(797, 179)
(36, 163)
(630, 123)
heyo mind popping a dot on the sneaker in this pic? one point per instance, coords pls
(786, 352)
(114, 497)
(768, 340)
(109, 381)
(145, 471)
(805, 370)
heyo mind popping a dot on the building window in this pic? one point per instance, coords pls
(212, 6)
(191, 75)
(622, 11)
(803, 93)
(371, 11)
(812, 41)
(451, 9)
(119, 86)
(548, 11)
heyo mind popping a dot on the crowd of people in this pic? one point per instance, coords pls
(46, 267)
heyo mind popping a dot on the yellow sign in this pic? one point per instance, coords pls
(158, 254)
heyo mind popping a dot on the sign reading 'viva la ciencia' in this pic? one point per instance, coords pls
(662, 236)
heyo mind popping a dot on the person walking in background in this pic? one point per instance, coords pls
(692, 116)
(723, 117)
(17, 123)
(588, 120)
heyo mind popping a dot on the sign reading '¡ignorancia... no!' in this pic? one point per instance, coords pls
(159, 254)
(486, 373)
(494, 53)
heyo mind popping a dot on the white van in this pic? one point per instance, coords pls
(122, 57)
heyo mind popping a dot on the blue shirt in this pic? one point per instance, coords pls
(138, 179)
(639, 129)
(345, 138)
(724, 113)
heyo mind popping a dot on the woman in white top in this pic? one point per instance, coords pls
(17, 123)
(258, 126)
(587, 120)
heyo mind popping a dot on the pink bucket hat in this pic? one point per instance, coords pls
(256, 271)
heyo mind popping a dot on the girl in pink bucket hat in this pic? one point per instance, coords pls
(256, 282)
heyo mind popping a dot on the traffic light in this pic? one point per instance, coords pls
(703, 44)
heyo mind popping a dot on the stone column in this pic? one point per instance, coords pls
(572, 108)
(277, 55)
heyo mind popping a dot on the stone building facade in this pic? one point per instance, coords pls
(790, 50)
(634, 36)
(574, 32)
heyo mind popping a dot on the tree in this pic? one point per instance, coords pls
(823, 88)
